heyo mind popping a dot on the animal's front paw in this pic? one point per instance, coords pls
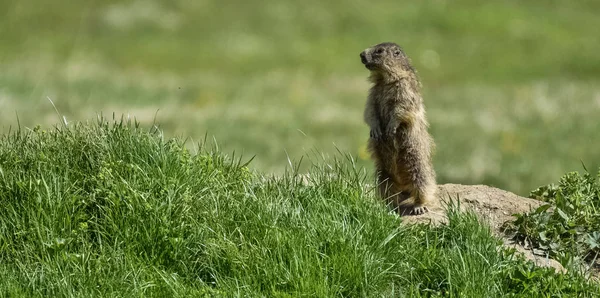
(391, 130)
(375, 133)
(419, 210)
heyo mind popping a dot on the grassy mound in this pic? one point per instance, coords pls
(109, 209)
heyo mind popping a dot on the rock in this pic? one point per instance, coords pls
(494, 205)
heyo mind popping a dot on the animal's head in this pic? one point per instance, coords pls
(387, 61)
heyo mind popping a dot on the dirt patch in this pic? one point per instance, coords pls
(493, 205)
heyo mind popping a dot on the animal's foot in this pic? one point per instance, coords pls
(419, 210)
(375, 133)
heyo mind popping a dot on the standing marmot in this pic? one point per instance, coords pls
(399, 142)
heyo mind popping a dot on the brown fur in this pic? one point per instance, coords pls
(400, 143)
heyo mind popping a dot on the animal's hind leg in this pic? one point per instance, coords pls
(389, 190)
(423, 188)
(421, 196)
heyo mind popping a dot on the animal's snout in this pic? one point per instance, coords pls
(365, 56)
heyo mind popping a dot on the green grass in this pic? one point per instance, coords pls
(113, 209)
(511, 87)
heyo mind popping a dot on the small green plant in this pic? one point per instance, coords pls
(568, 227)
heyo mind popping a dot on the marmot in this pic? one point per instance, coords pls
(399, 142)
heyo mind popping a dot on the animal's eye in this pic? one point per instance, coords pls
(379, 51)
(396, 53)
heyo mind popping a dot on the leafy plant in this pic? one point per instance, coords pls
(568, 227)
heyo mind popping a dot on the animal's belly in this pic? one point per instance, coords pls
(389, 154)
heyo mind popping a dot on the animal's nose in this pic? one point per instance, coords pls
(363, 58)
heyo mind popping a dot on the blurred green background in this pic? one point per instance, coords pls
(511, 87)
